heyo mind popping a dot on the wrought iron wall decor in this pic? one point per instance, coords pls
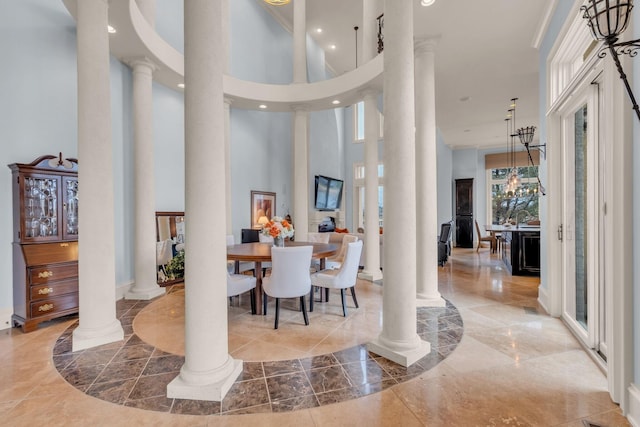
(607, 20)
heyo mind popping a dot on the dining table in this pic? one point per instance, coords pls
(261, 252)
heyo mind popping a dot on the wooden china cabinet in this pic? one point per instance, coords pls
(45, 240)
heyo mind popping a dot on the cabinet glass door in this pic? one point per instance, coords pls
(70, 208)
(40, 204)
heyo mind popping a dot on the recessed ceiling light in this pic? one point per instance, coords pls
(465, 98)
(110, 29)
(181, 85)
(318, 30)
(262, 106)
(335, 102)
(332, 47)
(467, 130)
(427, 2)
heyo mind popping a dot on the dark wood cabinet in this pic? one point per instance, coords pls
(521, 252)
(464, 213)
(45, 247)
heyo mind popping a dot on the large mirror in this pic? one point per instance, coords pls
(169, 247)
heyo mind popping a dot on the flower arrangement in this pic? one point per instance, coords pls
(278, 228)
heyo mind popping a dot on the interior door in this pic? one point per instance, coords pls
(583, 265)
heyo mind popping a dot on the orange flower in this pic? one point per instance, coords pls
(285, 224)
(274, 232)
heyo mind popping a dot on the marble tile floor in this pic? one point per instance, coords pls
(513, 366)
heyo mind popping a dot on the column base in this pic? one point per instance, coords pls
(430, 301)
(633, 412)
(370, 275)
(84, 338)
(144, 294)
(405, 358)
(213, 391)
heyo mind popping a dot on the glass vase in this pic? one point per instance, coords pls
(278, 242)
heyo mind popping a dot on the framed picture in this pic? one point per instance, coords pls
(263, 204)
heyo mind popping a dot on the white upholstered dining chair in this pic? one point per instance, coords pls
(336, 260)
(289, 277)
(239, 284)
(342, 278)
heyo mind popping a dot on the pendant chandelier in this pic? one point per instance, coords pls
(277, 2)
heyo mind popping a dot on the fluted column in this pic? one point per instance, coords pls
(301, 172)
(399, 340)
(300, 41)
(96, 244)
(426, 177)
(145, 286)
(227, 163)
(371, 223)
(208, 371)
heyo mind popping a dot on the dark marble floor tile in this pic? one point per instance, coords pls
(127, 320)
(281, 367)
(159, 403)
(128, 330)
(82, 375)
(319, 361)
(122, 371)
(352, 354)
(446, 350)
(133, 312)
(260, 409)
(456, 320)
(295, 404)
(251, 371)
(114, 391)
(63, 360)
(63, 346)
(151, 386)
(163, 364)
(364, 372)
(246, 394)
(195, 407)
(95, 357)
(431, 359)
(288, 386)
(134, 352)
(159, 353)
(134, 340)
(336, 396)
(329, 379)
(371, 388)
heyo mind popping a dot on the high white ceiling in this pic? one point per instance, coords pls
(485, 54)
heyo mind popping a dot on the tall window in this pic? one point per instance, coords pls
(358, 183)
(520, 206)
(358, 122)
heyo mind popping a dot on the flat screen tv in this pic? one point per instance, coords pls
(328, 193)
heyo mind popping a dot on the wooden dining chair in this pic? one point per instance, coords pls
(342, 278)
(481, 239)
(289, 277)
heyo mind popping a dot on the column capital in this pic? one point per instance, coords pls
(228, 101)
(300, 108)
(425, 45)
(139, 63)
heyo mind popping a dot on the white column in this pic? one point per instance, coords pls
(399, 340)
(145, 286)
(301, 173)
(371, 225)
(300, 41)
(148, 10)
(426, 177)
(227, 163)
(96, 244)
(208, 371)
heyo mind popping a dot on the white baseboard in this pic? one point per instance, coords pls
(633, 415)
(122, 289)
(543, 298)
(5, 318)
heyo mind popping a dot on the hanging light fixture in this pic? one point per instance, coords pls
(607, 20)
(277, 2)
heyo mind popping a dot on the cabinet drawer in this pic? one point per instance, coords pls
(54, 289)
(49, 306)
(50, 273)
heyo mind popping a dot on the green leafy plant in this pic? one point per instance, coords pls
(175, 267)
